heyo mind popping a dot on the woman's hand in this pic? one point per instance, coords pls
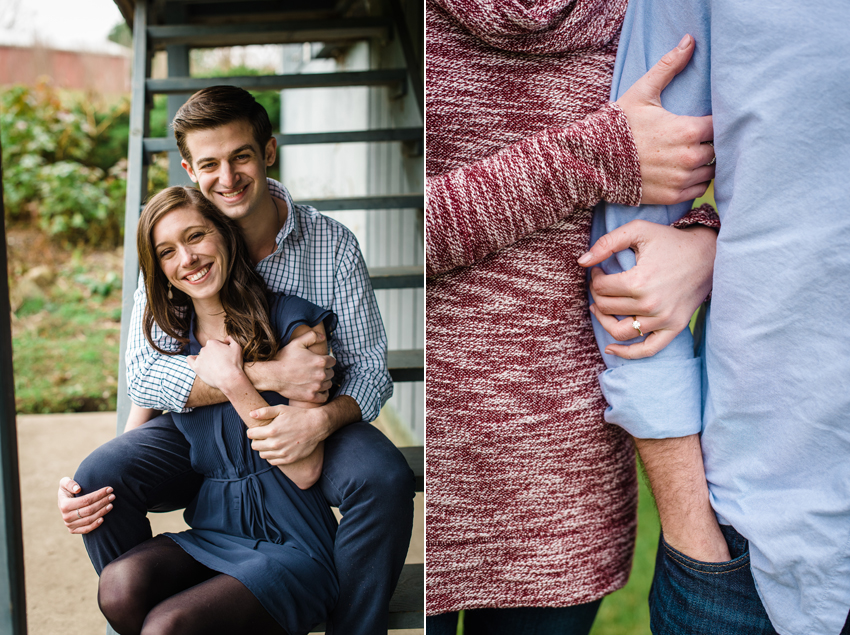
(82, 514)
(671, 279)
(219, 364)
(673, 152)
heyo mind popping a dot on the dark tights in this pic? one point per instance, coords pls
(157, 588)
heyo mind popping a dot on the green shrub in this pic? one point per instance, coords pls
(62, 163)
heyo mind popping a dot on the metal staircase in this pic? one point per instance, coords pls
(180, 25)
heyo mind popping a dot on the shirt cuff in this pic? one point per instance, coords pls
(655, 399)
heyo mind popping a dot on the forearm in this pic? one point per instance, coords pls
(139, 416)
(204, 395)
(480, 208)
(677, 477)
(244, 398)
(339, 412)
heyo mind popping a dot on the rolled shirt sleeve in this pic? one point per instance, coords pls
(661, 396)
(154, 380)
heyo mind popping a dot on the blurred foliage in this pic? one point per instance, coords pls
(64, 163)
(64, 157)
(121, 34)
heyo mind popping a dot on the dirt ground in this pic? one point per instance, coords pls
(61, 585)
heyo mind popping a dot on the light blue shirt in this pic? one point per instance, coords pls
(771, 391)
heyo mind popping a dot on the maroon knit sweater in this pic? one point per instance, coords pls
(531, 495)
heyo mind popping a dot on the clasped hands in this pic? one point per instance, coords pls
(674, 267)
(284, 434)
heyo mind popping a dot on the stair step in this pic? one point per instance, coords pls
(168, 144)
(269, 33)
(393, 201)
(354, 136)
(397, 277)
(382, 77)
(407, 365)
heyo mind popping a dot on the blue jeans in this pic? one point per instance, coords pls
(689, 597)
(568, 620)
(364, 475)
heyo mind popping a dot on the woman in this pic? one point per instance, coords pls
(259, 556)
(531, 495)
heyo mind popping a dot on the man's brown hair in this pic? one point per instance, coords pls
(218, 106)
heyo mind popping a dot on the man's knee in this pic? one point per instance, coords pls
(105, 466)
(364, 464)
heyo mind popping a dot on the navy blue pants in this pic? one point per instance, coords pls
(689, 597)
(364, 475)
(567, 620)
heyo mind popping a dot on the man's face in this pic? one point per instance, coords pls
(230, 168)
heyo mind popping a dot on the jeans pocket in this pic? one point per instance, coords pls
(710, 568)
(691, 597)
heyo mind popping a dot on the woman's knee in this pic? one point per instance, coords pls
(120, 595)
(168, 620)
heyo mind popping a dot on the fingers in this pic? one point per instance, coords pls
(673, 63)
(267, 412)
(308, 339)
(68, 488)
(704, 153)
(653, 343)
(192, 361)
(621, 330)
(604, 286)
(702, 128)
(620, 239)
(71, 505)
(83, 514)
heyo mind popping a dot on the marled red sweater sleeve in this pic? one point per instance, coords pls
(487, 205)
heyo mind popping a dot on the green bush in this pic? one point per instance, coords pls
(61, 163)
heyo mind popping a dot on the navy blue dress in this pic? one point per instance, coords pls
(249, 520)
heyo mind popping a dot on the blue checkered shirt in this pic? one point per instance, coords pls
(318, 259)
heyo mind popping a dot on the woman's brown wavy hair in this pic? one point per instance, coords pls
(243, 296)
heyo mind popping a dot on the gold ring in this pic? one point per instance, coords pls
(636, 326)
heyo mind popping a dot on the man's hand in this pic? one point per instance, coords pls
(291, 434)
(85, 513)
(296, 372)
(672, 149)
(672, 277)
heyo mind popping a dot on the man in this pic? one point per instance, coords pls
(226, 142)
(757, 540)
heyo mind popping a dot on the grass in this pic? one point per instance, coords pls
(626, 612)
(66, 312)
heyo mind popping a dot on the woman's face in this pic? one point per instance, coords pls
(191, 252)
